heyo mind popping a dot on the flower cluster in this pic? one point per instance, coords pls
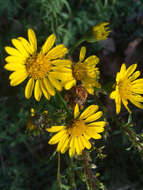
(48, 71)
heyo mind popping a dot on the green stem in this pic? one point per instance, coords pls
(89, 173)
(63, 102)
(58, 173)
(77, 44)
(73, 175)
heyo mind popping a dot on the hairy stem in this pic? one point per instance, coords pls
(58, 173)
(89, 173)
(73, 176)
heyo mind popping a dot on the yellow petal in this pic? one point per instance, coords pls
(94, 116)
(65, 146)
(26, 45)
(133, 101)
(122, 70)
(92, 61)
(20, 47)
(62, 76)
(76, 111)
(15, 59)
(18, 77)
(89, 111)
(125, 102)
(49, 43)
(14, 66)
(138, 81)
(62, 69)
(96, 136)
(80, 143)
(37, 91)
(62, 142)
(48, 86)
(56, 138)
(44, 90)
(85, 142)
(113, 94)
(77, 147)
(63, 62)
(97, 124)
(72, 147)
(55, 82)
(55, 128)
(134, 76)
(138, 89)
(70, 84)
(13, 51)
(90, 90)
(131, 69)
(32, 40)
(57, 52)
(29, 88)
(118, 103)
(82, 53)
(94, 129)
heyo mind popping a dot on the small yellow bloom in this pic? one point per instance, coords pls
(86, 72)
(128, 88)
(98, 32)
(101, 31)
(43, 69)
(76, 135)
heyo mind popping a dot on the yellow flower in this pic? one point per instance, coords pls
(101, 31)
(128, 88)
(43, 69)
(98, 32)
(76, 135)
(86, 72)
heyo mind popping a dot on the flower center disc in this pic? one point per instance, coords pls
(79, 71)
(38, 66)
(78, 127)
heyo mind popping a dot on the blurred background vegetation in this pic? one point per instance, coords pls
(27, 162)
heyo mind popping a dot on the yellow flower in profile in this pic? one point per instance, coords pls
(42, 69)
(128, 88)
(101, 31)
(86, 72)
(98, 32)
(76, 135)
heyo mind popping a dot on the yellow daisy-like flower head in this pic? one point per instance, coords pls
(43, 69)
(101, 31)
(76, 135)
(86, 72)
(128, 88)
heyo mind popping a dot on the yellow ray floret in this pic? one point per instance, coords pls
(76, 135)
(101, 31)
(128, 88)
(86, 72)
(43, 69)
